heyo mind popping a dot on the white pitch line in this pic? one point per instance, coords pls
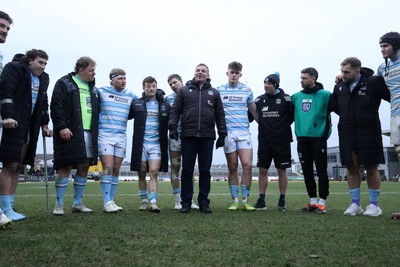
(211, 194)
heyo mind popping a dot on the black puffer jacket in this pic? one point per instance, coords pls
(16, 97)
(139, 113)
(66, 113)
(199, 110)
(359, 126)
(276, 114)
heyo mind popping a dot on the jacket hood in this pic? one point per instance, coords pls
(19, 57)
(318, 86)
(366, 72)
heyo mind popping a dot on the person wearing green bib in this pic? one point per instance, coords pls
(74, 112)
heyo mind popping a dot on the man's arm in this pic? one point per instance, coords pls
(253, 111)
(220, 116)
(176, 111)
(58, 105)
(9, 83)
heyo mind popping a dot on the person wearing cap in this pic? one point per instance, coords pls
(175, 83)
(312, 129)
(237, 99)
(5, 23)
(115, 101)
(150, 141)
(74, 112)
(275, 115)
(390, 71)
(24, 109)
(356, 99)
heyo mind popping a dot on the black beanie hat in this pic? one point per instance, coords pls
(273, 79)
(392, 38)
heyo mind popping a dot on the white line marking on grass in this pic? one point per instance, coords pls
(211, 194)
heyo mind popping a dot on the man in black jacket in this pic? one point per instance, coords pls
(200, 108)
(150, 140)
(356, 99)
(74, 111)
(275, 115)
(24, 105)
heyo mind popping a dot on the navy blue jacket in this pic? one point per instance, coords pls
(65, 111)
(138, 112)
(16, 98)
(199, 110)
(359, 126)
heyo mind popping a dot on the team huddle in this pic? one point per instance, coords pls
(89, 123)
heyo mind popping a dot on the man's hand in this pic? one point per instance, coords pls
(47, 132)
(173, 134)
(66, 134)
(10, 123)
(220, 141)
(338, 78)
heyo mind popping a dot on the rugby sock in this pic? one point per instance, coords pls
(262, 197)
(177, 193)
(105, 185)
(114, 185)
(374, 196)
(12, 200)
(5, 202)
(313, 201)
(153, 197)
(61, 184)
(322, 202)
(7, 209)
(79, 189)
(143, 195)
(245, 192)
(355, 195)
(234, 192)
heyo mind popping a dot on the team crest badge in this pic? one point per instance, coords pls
(306, 105)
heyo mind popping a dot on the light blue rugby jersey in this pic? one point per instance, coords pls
(236, 101)
(35, 89)
(392, 78)
(114, 109)
(151, 135)
(170, 100)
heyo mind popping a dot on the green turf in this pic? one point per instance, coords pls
(223, 238)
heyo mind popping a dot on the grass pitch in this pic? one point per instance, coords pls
(223, 238)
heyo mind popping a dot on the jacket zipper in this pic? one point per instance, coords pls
(198, 127)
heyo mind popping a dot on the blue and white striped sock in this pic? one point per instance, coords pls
(114, 185)
(79, 189)
(105, 185)
(153, 197)
(355, 195)
(61, 184)
(245, 192)
(234, 189)
(374, 196)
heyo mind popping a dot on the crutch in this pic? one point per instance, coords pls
(46, 178)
